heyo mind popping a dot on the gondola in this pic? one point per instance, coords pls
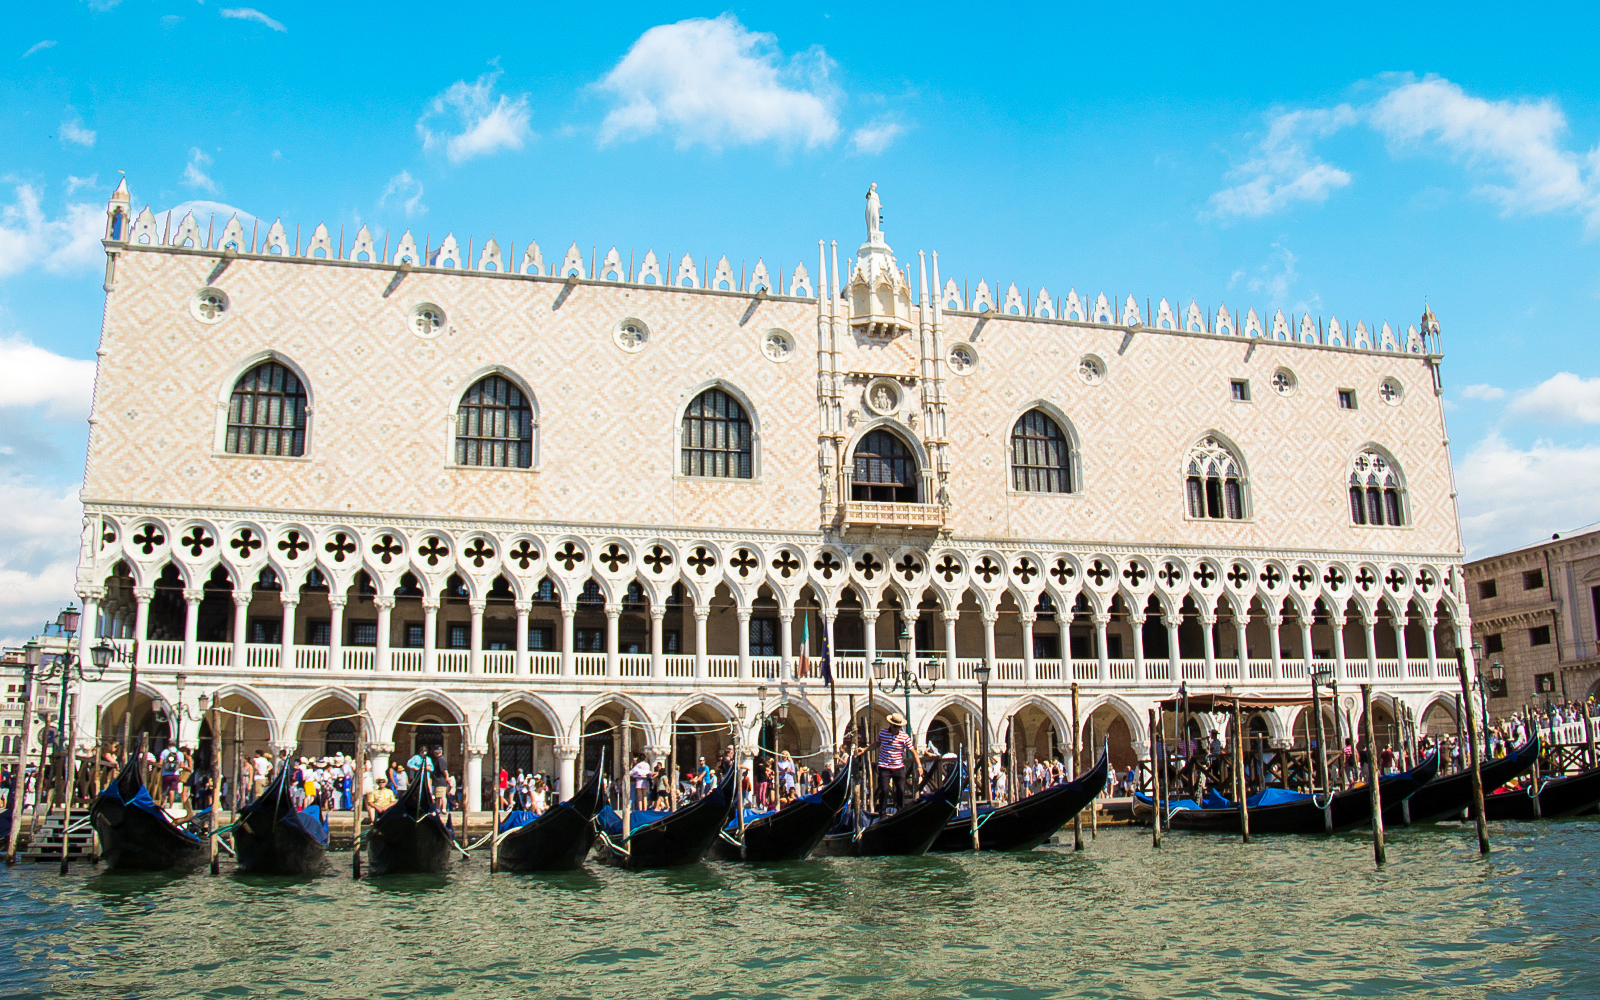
(790, 833)
(272, 837)
(680, 837)
(1569, 796)
(559, 839)
(410, 836)
(1026, 823)
(1292, 812)
(135, 833)
(1449, 797)
(909, 832)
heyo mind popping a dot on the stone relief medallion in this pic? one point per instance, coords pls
(427, 320)
(963, 359)
(778, 346)
(883, 396)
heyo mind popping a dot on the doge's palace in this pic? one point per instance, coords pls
(324, 465)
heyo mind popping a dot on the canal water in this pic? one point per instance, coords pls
(1203, 917)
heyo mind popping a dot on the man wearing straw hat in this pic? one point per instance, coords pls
(893, 746)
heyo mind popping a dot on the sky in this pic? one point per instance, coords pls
(1354, 162)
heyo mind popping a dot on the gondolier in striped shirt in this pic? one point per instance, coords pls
(893, 746)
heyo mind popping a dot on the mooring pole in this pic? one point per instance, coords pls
(1372, 776)
(69, 769)
(1472, 740)
(216, 786)
(360, 781)
(627, 779)
(1155, 780)
(972, 783)
(1238, 770)
(1077, 817)
(494, 786)
(19, 778)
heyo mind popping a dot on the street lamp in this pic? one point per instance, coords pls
(908, 680)
(981, 671)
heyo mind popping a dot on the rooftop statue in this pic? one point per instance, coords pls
(874, 215)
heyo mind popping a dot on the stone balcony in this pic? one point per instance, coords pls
(907, 516)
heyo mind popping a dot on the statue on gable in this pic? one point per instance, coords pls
(874, 215)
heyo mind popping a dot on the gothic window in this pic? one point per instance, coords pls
(717, 437)
(494, 425)
(1041, 455)
(1376, 491)
(340, 738)
(267, 413)
(1214, 484)
(885, 470)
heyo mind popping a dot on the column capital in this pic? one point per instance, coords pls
(383, 603)
(193, 595)
(338, 600)
(950, 616)
(383, 748)
(1171, 621)
(242, 600)
(523, 608)
(477, 604)
(568, 609)
(613, 610)
(701, 612)
(1027, 617)
(143, 594)
(289, 600)
(477, 749)
(1208, 620)
(658, 612)
(1134, 618)
(1337, 621)
(1102, 619)
(911, 614)
(656, 752)
(566, 751)
(745, 614)
(829, 616)
(786, 615)
(431, 603)
(283, 747)
(87, 594)
(870, 614)
(990, 617)
(1428, 621)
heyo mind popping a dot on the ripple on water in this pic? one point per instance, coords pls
(1204, 917)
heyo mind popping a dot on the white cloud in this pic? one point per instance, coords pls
(251, 14)
(36, 377)
(875, 136)
(1283, 170)
(1482, 391)
(1563, 397)
(718, 83)
(38, 555)
(28, 238)
(39, 47)
(74, 183)
(1275, 278)
(479, 121)
(406, 190)
(1521, 140)
(1512, 497)
(72, 131)
(194, 173)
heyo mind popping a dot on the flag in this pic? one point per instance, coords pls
(827, 659)
(804, 669)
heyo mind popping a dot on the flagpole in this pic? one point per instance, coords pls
(833, 691)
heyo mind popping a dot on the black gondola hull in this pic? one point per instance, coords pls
(680, 838)
(268, 838)
(559, 840)
(1449, 797)
(409, 837)
(1027, 823)
(1345, 810)
(139, 839)
(791, 833)
(908, 833)
(1569, 796)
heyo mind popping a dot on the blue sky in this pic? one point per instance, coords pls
(1350, 163)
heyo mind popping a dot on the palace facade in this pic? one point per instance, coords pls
(448, 477)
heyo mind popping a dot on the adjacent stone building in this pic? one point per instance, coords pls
(324, 465)
(1536, 614)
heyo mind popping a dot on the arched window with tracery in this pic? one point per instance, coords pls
(717, 438)
(1041, 455)
(267, 413)
(885, 470)
(1214, 482)
(1376, 490)
(494, 425)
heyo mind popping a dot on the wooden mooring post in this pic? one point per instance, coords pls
(1077, 817)
(1478, 816)
(19, 779)
(972, 782)
(494, 786)
(1155, 780)
(356, 792)
(216, 788)
(1241, 782)
(1376, 799)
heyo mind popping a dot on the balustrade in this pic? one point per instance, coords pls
(363, 658)
(499, 662)
(453, 661)
(405, 661)
(259, 657)
(635, 664)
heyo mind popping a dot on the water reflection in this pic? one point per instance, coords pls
(1202, 917)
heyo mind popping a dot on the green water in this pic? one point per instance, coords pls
(1204, 917)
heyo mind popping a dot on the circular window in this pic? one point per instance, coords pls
(963, 359)
(631, 335)
(427, 320)
(209, 305)
(778, 346)
(1283, 382)
(1390, 391)
(883, 396)
(1092, 370)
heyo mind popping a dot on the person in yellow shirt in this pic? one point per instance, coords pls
(377, 800)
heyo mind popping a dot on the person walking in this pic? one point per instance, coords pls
(893, 746)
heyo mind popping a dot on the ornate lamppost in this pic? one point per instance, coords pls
(908, 680)
(981, 671)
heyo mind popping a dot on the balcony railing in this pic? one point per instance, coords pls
(891, 515)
